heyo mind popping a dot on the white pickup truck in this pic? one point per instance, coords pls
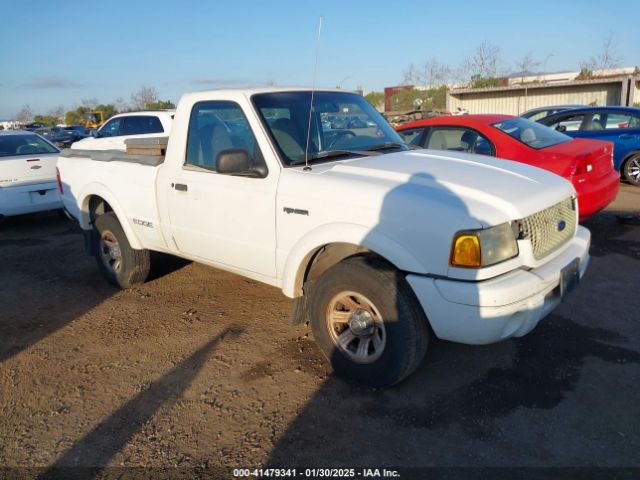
(380, 246)
(114, 133)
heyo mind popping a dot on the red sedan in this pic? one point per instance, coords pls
(585, 163)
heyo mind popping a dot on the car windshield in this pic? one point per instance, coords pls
(13, 145)
(531, 133)
(342, 125)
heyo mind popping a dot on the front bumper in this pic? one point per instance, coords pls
(29, 198)
(510, 305)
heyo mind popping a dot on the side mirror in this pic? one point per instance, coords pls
(561, 128)
(94, 133)
(236, 161)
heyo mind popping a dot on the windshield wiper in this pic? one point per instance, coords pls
(384, 146)
(334, 154)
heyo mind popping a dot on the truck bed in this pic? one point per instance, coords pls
(114, 156)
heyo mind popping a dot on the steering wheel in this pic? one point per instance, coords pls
(343, 136)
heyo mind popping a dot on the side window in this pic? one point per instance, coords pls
(141, 124)
(538, 115)
(413, 136)
(459, 140)
(483, 146)
(110, 129)
(617, 120)
(216, 126)
(635, 122)
(569, 123)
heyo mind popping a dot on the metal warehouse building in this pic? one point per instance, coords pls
(516, 99)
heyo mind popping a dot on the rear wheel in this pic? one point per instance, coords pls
(367, 321)
(120, 264)
(631, 170)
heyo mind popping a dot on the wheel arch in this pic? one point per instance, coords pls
(98, 196)
(322, 248)
(626, 158)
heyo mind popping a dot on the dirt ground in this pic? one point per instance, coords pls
(199, 371)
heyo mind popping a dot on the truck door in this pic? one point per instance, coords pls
(222, 219)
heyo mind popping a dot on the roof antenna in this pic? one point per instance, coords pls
(313, 88)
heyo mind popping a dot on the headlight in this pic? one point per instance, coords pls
(481, 248)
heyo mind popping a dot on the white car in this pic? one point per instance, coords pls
(112, 135)
(27, 174)
(375, 242)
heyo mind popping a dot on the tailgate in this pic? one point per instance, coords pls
(25, 169)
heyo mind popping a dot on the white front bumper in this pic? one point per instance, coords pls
(510, 305)
(30, 198)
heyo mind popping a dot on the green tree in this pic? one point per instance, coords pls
(109, 110)
(46, 119)
(75, 117)
(485, 82)
(376, 99)
(585, 74)
(161, 105)
(409, 98)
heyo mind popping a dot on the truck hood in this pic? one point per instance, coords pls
(489, 189)
(408, 206)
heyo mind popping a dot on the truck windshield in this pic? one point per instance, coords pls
(342, 125)
(532, 134)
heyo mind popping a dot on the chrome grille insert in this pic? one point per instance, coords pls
(551, 228)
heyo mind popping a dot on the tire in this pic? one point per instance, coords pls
(367, 321)
(120, 264)
(631, 170)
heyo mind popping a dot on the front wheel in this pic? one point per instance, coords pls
(367, 321)
(631, 170)
(120, 264)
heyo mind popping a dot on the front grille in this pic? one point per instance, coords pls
(551, 228)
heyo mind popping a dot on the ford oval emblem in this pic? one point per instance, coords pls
(562, 225)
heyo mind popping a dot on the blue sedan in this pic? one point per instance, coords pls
(619, 125)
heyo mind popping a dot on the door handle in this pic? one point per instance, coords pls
(180, 187)
(626, 136)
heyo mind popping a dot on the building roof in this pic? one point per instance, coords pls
(540, 85)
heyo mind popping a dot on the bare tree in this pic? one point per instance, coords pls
(435, 73)
(431, 74)
(410, 75)
(25, 114)
(604, 60)
(144, 97)
(89, 103)
(57, 112)
(526, 65)
(484, 63)
(121, 105)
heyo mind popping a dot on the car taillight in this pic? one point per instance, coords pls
(59, 181)
(581, 165)
(612, 162)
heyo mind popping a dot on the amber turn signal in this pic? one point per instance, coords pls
(466, 251)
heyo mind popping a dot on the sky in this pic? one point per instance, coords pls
(59, 52)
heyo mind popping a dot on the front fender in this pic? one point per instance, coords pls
(101, 190)
(293, 263)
